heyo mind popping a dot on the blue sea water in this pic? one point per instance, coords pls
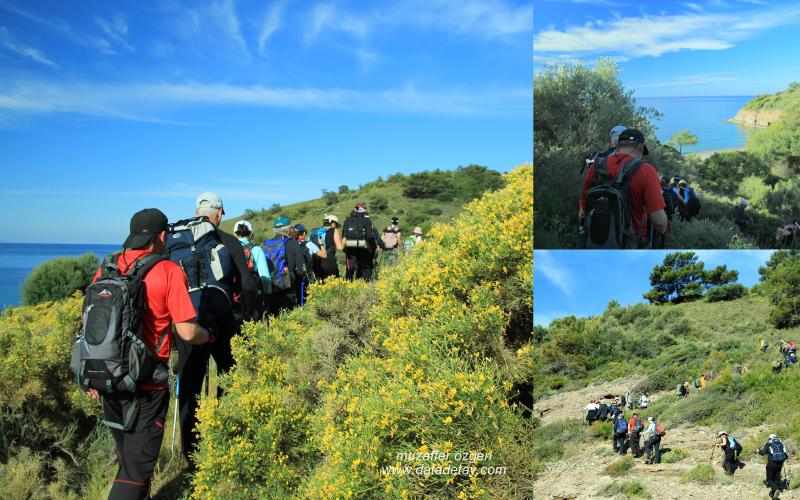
(704, 117)
(17, 260)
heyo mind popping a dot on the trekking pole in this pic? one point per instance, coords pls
(208, 373)
(175, 415)
(755, 466)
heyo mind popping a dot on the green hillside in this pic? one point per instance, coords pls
(786, 99)
(419, 199)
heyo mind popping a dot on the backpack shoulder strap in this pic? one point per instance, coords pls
(601, 175)
(143, 265)
(109, 265)
(627, 170)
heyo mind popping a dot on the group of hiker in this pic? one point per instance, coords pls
(773, 449)
(629, 433)
(788, 354)
(203, 282)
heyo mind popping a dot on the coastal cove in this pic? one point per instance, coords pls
(708, 117)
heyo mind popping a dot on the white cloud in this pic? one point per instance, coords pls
(9, 43)
(117, 29)
(698, 79)
(657, 35)
(146, 101)
(223, 12)
(549, 267)
(272, 22)
(327, 16)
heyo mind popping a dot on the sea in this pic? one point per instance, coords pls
(17, 260)
(704, 117)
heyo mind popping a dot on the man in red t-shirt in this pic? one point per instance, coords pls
(168, 303)
(645, 186)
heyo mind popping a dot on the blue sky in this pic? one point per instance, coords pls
(676, 48)
(582, 283)
(110, 107)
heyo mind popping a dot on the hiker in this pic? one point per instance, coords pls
(391, 236)
(635, 427)
(596, 156)
(283, 253)
(136, 418)
(304, 271)
(776, 455)
(702, 381)
(777, 366)
(763, 345)
(644, 401)
(361, 242)
(330, 237)
(628, 400)
(785, 234)
(411, 241)
(683, 391)
(652, 441)
(621, 434)
(602, 412)
(256, 264)
(740, 218)
(731, 448)
(671, 200)
(591, 410)
(690, 202)
(215, 264)
(621, 205)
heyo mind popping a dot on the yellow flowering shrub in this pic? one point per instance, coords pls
(421, 386)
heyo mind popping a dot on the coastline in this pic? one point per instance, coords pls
(706, 154)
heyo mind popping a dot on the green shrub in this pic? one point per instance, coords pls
(673, 455)
(724, 171)
(551, 441)
(601, 430)
(754, 189)
(59, 278)
(427, 184)
(784, 293)
(619, 467)
(726, 292)
(630, 489)
(701, 474)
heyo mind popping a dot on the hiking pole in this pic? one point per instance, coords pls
(175, 415)
(755, 465)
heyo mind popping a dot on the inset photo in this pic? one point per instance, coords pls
(666, 125)
(668, 378)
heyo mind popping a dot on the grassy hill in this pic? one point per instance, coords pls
(419, 199)
(655, 348)
(786, 99)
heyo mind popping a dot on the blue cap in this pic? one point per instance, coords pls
(281, 221)
(301, 228)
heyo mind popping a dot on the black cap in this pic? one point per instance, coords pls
(145, 224)
(665, 179)
(633, 135)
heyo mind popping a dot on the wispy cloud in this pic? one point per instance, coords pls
(657, 35)
(144, 102)
(272, 22)
(224, 12)
(698, 79)
(9, 43)
(117, 29)
(327, 16)
(550, 268)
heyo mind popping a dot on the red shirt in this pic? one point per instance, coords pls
(645, 188)
(167, 295)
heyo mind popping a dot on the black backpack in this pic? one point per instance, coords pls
(776, 451)
(359, 231)
(608, 208)
(308, 262)
(109, 354)
(671, 201)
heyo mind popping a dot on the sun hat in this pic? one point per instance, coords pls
(417, 230)
(248, 227)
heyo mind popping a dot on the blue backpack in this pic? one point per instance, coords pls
(777, 453)
(622, 424)
(275, 251)
(195, 246)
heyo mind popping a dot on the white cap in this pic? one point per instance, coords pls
(417, 230)
(615, 133)
(649, 419)
(243, 223)
(332, 218)
(682, 181)
(209, 200)
(722, 433)
(773, 436)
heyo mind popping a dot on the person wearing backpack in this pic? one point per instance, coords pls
(216, 267)
(776, 455)
(655, 431)
(391, 236)
(731, 448)
(621, 433)
(256, 263)
(621, 204)
(156, 297)
(412, 240)
(304, 273)
(361, 243)
(635, 428)
(690, 202)
(330, 237)
(286, 257)
(591, 411)
(602, 412)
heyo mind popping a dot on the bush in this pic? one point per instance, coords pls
(631, 489)
(701, 474)
(428, 184)
(724, 171)
(731, 291)
(673, 455)
(310, 413)
(784, 293)
(329, 197)
(619, 467)
(59, 278)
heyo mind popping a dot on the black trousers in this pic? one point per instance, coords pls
(634, 442)
(359, 264)
(730, 464)
(653, 444)
(280, 300)
(774, 475)
(621, 442)
(192, 363)
(137, 450)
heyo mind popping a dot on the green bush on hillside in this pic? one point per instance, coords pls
(784, 290)
(59, 278)
(701, 474)
(779, 144)
(619, 467)
(630, 489)
(724, 171)
(726, 292)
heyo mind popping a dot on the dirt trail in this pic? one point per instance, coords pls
(580, 474)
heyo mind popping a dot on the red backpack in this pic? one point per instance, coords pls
(660, 430)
